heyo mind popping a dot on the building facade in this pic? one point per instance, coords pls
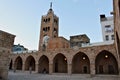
(56, 56)
(6, 42)
(78, 41)
(107, 25)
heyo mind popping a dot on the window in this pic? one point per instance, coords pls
(54, 36)
(55, 29)
(45, 29)
(108, 28)
(48, 28)
(55, 21)
(107, 37)
(46, 20)
(112, 37)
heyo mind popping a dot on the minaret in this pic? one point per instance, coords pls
(49, 28)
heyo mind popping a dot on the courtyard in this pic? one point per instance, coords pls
(19, 75)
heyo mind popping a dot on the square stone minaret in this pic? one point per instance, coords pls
(6, 43)
(49, 28)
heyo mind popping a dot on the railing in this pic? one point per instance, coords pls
(98, 43)
(27, 51)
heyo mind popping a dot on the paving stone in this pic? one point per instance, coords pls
(34, 76)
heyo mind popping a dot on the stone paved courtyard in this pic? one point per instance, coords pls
(34, 76)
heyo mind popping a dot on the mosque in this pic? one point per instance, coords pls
(75, 56)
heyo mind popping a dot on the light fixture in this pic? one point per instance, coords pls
(106, 56)
(84, 58)
(65, 59)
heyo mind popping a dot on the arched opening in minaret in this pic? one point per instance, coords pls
(43, 65)
(60, 64)
(30, 63)
(106, 63)
(81, 64)
(18, 63)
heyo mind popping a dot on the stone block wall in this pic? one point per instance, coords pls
(116, 7)
(6, 43)
(57, 43)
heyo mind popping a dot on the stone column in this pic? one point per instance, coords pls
(119, 65)
(69, 68)
(23, 66)
(50, 68)
(119, 69)
(36, 67)
(12, 65)
(92, 69)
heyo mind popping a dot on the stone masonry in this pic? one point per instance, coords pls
(116, 13)
(6, 43)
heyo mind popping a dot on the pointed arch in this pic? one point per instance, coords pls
(18, 63)
(43, 64)
(106, 63)
(30, 62)
(60, 64)
(80, 64)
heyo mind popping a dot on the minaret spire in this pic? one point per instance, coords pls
(51, 5)
(50, 10)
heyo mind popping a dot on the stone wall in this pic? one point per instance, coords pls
(116, 7)
(57, 43)
(6, 43)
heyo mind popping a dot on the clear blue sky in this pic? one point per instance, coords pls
(23, 17)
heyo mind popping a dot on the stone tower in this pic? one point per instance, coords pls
(49, 28)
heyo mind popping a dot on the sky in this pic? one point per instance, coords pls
(23, 18)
